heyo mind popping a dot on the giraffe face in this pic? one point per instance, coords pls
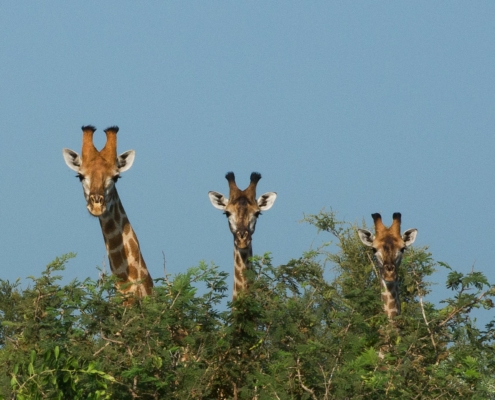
(388, 252)
(388, 246)
(242, 216)
(98, 172)
(242, 211)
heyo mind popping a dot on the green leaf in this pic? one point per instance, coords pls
(33, 356)
(108, 377)
(157, 362)
(471, 373)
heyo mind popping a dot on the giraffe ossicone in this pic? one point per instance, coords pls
(388, 246)
(242, 210)
(98, 172)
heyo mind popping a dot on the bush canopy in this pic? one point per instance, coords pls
(295, 334)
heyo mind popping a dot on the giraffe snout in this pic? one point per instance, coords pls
(242, 235)
(389, 272)
(96, 204)
(242, 238)
(96, 198)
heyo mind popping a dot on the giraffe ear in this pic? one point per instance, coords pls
(265, 202)
(125, 160)
(409, 236)
(218, 200)
(72, 159)
(366, 237)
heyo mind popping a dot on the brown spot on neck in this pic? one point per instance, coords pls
(390, 299)
(124, 253)
(132, 249)
(244, 255)
(127, 228)
(241, 264)
(114, 243)
(109, 226)
(117, 259)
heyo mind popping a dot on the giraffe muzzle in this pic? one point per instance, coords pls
(242, 239)
(96, 205)
(389, 273)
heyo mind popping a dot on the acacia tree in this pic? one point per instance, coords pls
(296, 334)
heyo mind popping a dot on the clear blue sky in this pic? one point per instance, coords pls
(360, 106)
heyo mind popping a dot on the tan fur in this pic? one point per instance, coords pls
(389, 245)
(242, 204)
(97, 170)
(242, 210)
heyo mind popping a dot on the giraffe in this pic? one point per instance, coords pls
(98, 172)
(242, 210)
(388, 246)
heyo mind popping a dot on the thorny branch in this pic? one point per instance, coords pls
(423, 311)
(458, 310)
(307, 389)
(328, 384)
(374, 267)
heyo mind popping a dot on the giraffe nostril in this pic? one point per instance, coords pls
(242, 234)
(96, 199)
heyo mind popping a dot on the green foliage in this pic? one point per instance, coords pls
(294, 335)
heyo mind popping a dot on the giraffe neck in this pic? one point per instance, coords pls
(390, 298)
(124, 254)
(241, 264)
(391, 305)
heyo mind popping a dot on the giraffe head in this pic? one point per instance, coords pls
(98, 171)
(242, 209)
(388, 245)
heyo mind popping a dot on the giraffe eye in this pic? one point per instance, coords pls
(402, 250)
(80, 176)
(374, 250)
(116, 178)
(227, 214)
(257, 214)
